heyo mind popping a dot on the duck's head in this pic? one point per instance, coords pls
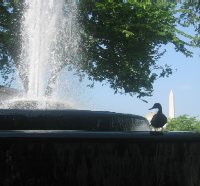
(156, 106)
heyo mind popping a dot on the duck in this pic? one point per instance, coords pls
(159, 119)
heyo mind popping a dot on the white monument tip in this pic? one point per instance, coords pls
(171, 105)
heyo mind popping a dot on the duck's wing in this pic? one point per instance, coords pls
(158, 120)
(153, 120)
(163, 119)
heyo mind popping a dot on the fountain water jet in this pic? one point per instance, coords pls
(49, 43)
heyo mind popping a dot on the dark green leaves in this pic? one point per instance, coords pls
(123, 43)
(183, 123)
(120, 42)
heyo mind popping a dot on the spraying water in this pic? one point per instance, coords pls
(50, 42)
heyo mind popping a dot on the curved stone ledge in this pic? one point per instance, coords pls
(86, 120)
(92, 136)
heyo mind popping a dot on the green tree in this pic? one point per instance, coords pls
(9, 38)
(183, 123)
(121, 42)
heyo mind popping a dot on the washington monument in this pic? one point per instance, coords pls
(171, 105)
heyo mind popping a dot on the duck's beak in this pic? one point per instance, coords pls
(151, 108)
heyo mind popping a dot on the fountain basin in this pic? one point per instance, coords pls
(99, 158)
(16, 119)
(81, 147)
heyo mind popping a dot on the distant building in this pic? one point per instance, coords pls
(171, 105)
(150, 115)
(7, 93)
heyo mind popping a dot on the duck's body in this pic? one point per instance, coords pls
(159, 119)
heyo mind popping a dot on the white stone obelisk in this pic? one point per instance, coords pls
(171, 105)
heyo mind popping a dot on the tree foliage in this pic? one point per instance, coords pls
(9, 38)
(183, 123)
(120, 42)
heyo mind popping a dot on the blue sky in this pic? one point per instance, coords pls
(185, 83)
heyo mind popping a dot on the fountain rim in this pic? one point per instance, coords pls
(70, 119)
(93, 137)
(32, 112)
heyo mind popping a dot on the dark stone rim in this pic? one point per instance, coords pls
(16, 119)
(95, 136)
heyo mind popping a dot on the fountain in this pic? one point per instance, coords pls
(44, 141)
(50, 42)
